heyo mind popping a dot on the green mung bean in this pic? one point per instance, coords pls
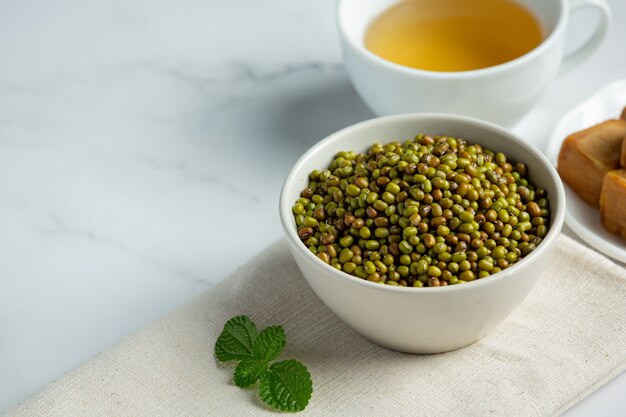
(432, 211)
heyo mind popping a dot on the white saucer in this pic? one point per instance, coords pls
(583, 219)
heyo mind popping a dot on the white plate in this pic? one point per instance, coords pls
(583, 219)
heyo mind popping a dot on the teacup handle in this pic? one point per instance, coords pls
(583, 51)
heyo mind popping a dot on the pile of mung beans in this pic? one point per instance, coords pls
(429, 212)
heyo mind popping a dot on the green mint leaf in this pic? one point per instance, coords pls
(248, 372)
(270, 343)
(237, 339)
(286, 386)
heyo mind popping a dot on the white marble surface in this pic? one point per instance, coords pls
(130, 130)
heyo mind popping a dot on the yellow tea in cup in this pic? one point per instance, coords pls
(453, 35)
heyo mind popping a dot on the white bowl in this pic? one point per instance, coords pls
(422, 320)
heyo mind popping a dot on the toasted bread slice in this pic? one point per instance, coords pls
(622, 161)
(586, 156)
(613, 202)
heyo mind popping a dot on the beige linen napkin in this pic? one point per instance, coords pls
(565, 340)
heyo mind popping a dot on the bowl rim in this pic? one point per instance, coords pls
(546, 43)
(558, 216)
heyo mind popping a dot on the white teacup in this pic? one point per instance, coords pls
(502, 94)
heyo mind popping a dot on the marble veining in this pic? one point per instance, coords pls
(194, 174)
(142, 150)
(63, 229)
(239, 72)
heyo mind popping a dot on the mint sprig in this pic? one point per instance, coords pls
(248, 372)
(270, 343)
(237, 340)
(284, 385)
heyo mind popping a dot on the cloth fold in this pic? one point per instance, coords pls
(565, 340)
